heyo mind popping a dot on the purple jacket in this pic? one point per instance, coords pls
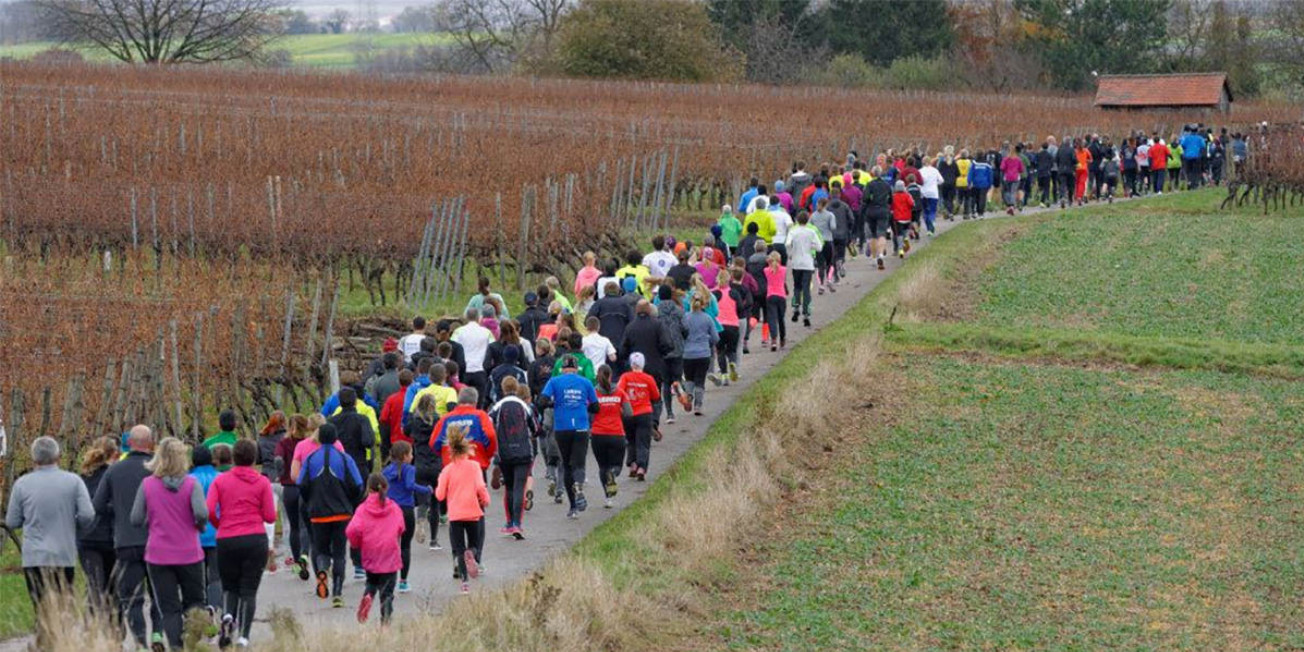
(173, 511)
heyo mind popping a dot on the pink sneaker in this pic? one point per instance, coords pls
(364, 608)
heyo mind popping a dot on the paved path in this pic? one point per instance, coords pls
(549, 531)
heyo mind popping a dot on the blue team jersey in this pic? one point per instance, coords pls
(571, 396)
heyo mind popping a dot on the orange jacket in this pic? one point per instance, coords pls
(479, 432)
(461, 484)
(1084, 157)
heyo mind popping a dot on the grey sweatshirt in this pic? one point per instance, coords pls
(53, 508)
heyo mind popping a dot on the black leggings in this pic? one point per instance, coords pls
(574, 445)
(463, 536)
(775, 306)
(609, 451)
(405, 542)
(131, 580)
(330, 548)
(212, 579)
(298, 534)
(695, 370)
(383, 584)
(514, 477)
(240, 562)
(97, 559)
(638, 441)
(674, 372)
(430, 477)
(177, 590)
(727, 348)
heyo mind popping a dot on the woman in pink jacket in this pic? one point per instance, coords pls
(240, 504)
(375, 530)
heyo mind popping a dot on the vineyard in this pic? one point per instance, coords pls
(175, 240)
(1274, 175)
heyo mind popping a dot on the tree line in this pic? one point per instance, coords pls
(925, 44)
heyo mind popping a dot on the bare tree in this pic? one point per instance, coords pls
(336, 21)
(498, 34)
(168, 31)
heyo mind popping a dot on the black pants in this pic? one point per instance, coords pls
(463, 536)
(240, 561)
(609, 451)
(132, 581)
(1067, 182)
(480, 381)
(801, 291)
(1129, 178)
(45, 583)
(429, 476)
(695, 370)
(212, 579)
(823, 262)
(980, 201)
(775, 306)
(674, 372)
(574, 445)
(839, 254)
(1043, 189)
(298, 534)
(948, 198)
(382, 584)
(638, 441)
(329, 547)
(97, 559)
(514, 476)
(727, 348)
(405, 541)
(177, 590)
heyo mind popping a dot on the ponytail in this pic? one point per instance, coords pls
(377, 484)
(604, 379)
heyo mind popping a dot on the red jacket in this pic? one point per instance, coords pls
(391, 414)
(479, 432)
(902, 206)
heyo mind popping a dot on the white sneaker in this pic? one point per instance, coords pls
(242, 642)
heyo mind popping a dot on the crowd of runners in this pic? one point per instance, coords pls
(462, 407)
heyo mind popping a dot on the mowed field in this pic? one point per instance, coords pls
(327, 51)
(984, 498)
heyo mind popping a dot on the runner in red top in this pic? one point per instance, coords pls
(608, 429)
(641, 389)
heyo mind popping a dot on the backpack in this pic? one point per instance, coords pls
(515, 432)
(328, 494)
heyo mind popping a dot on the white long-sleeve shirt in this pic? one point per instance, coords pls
(475, 340)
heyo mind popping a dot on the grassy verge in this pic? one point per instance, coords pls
(15, 609)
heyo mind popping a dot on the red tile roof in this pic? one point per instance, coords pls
(1201, 89)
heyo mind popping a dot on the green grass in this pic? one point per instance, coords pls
(1016, 506)
(308, 50)
(1167, 268)
(15, 608)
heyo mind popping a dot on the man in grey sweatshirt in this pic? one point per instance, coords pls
(114, 499)
(52, 507)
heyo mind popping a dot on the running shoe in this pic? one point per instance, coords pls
(359, 574)
(552, 487)
(642, 475)
(518, 533)
(832, 287)
(821, 293)
(457, 575)
(289, 561)
(581, 503)
(505, 530)
(774, 349)
(794, 315)
(733, 372)
(715, 379)
(226, 632)
(572, 514)
(434, 546)
(404, 587)
(337, 602)
(323, 585)
(466, 588)
(557, 499)
(656, 434)
(157, 645)
(670, 418)
(633, 470)
(806, 322)
(881, 264)
(364, 608)
(271, 562)
(746, 350)
(611, 486)
(529, 500)
(901, 253)
(608, 503)
(686, 401)
(906, 246)
(303, 567)
(242, 642)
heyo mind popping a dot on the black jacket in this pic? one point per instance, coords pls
(500, 372)
(878, 199)
(356, 436)
(116, 495)
(1044, 163)
(1065, 161)
(682, 274)
(614, 314)
(102, 531)
(647, 336)
(530, 319)
(423, 457)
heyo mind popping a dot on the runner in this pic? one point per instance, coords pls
(902, 206)
(239, 503)
(332, 485)
(609, 438)
(203, 471)
(573, 399)
(95, 545)
(805, 242)
(825, 221)
(375, 529)
(930, 180)
(517, 430)
(296, 527)
(426, 460)
(461, 485)
(776, 301)
(170, 506)
(700, 339)
(642, 391)
(402, 489)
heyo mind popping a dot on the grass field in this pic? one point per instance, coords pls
(308, 50)
(1017, 506)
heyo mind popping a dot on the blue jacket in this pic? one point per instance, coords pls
(205, 475)
(1192, 146)
(745, 200)
(333, 403)
(403, 490)
(341, 464)
(419, 383)
(571, 396)
(980, 175)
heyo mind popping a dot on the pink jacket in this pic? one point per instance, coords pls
(375, 530)
(461, 484)
(240, 502)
